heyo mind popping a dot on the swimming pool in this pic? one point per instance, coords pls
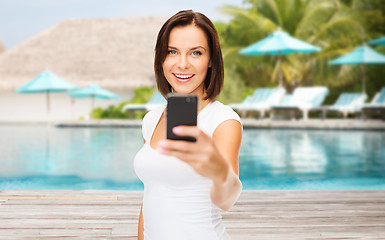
(40, 157)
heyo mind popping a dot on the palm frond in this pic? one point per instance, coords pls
(230, 50)
(343, 23)
(316, 15)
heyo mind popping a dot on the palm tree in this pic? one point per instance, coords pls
(328, 24)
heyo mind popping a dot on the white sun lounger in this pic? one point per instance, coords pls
(260, 101)
(303, 99)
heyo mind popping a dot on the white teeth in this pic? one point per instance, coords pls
(184, 76)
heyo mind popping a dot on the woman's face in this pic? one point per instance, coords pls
(187, 60)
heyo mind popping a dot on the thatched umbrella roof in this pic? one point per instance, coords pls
(2, 46)
(114, 53)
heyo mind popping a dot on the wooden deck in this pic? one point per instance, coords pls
(257, 215)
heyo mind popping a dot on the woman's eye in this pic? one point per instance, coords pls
(196, 53)
(171, 52)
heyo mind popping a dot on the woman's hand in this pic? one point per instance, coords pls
(201, 155)
(215, 158)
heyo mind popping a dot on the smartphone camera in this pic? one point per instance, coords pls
(190, 100)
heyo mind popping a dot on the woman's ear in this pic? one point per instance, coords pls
(209, 66)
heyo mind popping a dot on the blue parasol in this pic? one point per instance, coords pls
(360, 55)
(379, 41)
(93, 91)
(46, 82)
(279, 43)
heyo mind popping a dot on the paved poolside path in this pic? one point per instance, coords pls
(257, 215)
(335, 124)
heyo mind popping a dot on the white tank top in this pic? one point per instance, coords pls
(176, 199)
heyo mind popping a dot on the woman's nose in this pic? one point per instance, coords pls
(183, 62)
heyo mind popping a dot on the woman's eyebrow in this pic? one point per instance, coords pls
(194, 48)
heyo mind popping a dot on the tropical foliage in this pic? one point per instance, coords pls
(111, 111)
(337, 26)
(141, 95)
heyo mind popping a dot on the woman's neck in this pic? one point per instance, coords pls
(203, 103)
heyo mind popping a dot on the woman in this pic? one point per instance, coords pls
(187, 183)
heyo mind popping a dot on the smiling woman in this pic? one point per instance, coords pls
(186, 184)
(187, 60)
(188, 46)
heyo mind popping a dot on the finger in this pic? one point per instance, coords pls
(175, 145)
(190, 158)
(188, 131)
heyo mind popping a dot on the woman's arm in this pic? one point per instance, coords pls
(215, 158)
(140, 224)
(226, 190)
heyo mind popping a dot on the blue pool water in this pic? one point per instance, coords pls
(37, 157)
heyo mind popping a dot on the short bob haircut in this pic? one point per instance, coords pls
(215, 74)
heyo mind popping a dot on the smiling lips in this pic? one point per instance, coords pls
(183, 77)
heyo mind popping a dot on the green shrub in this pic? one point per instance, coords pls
(233, 88)
(141, 95)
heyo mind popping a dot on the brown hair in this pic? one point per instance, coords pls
(215, 74)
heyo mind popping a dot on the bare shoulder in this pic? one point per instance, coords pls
(227, 138)
(230, 128)
(229, 123)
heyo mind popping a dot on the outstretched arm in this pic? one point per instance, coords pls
(227, 137)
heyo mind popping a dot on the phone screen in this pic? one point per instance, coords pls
(181, 110)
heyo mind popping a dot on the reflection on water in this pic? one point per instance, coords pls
(297, 158)
(43, 157)
(89, 154)
(280, 152)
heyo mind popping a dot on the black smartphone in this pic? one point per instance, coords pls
(181, 110)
